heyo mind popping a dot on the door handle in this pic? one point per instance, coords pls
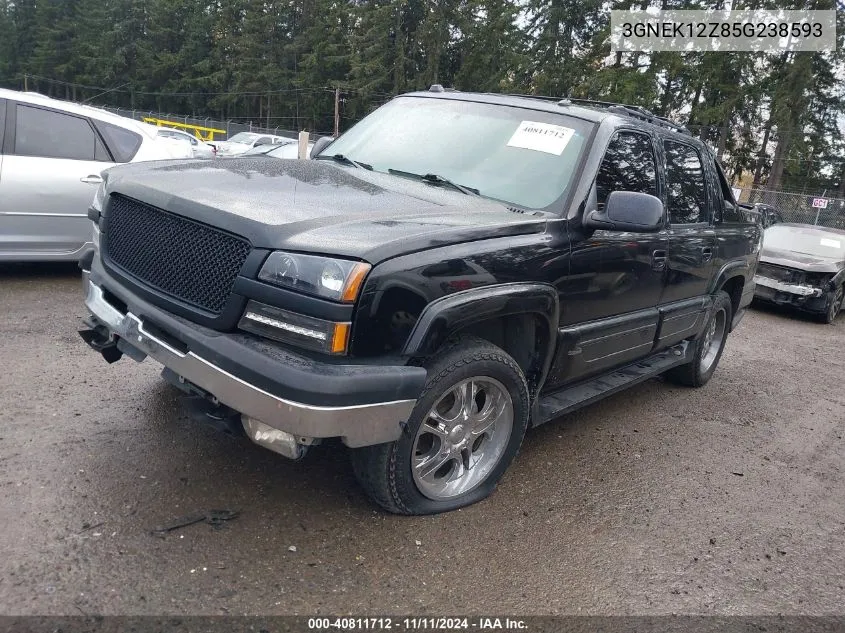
(706, 254)
(658, 260)
(92, 179)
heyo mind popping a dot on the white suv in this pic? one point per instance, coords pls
(51, 156)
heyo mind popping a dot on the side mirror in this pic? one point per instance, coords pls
(320, 144)
(628, 211)
(263, 141)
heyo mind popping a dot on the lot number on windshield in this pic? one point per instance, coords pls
(541, 137)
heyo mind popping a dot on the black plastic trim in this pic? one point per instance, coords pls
(293, 301)
(445, 315)
(275, 368)
(732, 268)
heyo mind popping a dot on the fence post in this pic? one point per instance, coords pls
(303, 145)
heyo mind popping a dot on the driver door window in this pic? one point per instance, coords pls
(628, 165)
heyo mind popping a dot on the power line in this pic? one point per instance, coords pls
(250, 93)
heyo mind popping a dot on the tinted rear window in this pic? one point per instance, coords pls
(123, 143)
(50, 134)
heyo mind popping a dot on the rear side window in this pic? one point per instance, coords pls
(628, 165)
(685, 184)
(123, 143)
(51, 134)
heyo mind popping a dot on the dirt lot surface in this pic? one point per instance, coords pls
(727, 499)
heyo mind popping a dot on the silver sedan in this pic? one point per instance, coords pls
(52, 155)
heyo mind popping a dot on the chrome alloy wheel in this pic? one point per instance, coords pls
(462, 438)
(713, 338)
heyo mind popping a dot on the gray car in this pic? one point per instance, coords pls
(52, 155)
(803, 266)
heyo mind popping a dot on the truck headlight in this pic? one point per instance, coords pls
(288, 327)
(335, 279)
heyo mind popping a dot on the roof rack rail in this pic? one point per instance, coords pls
(636, 112)
(524, 96)
(633, 111)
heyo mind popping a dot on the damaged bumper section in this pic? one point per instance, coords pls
(801, 296)
(283, 401)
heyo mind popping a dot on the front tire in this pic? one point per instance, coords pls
(463, 433)
(834, 306)
(708, 347)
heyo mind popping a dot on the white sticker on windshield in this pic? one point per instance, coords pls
(541, 137)
(832, 243)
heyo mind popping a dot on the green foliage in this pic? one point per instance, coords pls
(277, 63)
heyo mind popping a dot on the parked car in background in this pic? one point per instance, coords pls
(803, 266)
(289, 149)
(179, 147)
(199, 149)
(763, 214)
(244, 141)
(52, 154)
(265, 149)
(769, 216)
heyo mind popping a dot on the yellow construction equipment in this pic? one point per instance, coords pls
(201, 132)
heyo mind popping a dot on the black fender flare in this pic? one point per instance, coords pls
(446, 315)
(730, 270)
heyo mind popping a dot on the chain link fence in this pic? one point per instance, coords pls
(799, 208)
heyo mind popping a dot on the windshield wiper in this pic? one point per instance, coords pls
(436, 179)
(340, 158)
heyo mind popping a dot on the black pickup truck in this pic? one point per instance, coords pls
(452, 270)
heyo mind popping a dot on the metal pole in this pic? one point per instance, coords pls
(303, 145)
(336, 112)
(819, 210)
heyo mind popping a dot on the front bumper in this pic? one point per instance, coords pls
(196, 355)
(804, 297)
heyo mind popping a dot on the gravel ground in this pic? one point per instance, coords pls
(722, 500)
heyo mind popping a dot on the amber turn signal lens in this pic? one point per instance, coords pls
(340, 338)
(354, 281)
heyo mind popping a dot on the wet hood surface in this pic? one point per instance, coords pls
(801, 261)
(318, 206)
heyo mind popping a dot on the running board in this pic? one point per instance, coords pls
(575, 396)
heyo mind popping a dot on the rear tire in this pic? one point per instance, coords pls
(708, 347)
(463, 433)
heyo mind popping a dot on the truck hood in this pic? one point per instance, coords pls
(801, 261)
(318, 206)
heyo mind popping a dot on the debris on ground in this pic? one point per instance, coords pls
(87, 526)
(215, 518)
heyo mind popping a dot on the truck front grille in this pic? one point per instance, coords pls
(192, 262)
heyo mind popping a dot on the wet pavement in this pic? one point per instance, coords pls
(662, 499)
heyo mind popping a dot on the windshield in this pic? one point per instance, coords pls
(522, 157)
(244, 137)
(805, 241)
